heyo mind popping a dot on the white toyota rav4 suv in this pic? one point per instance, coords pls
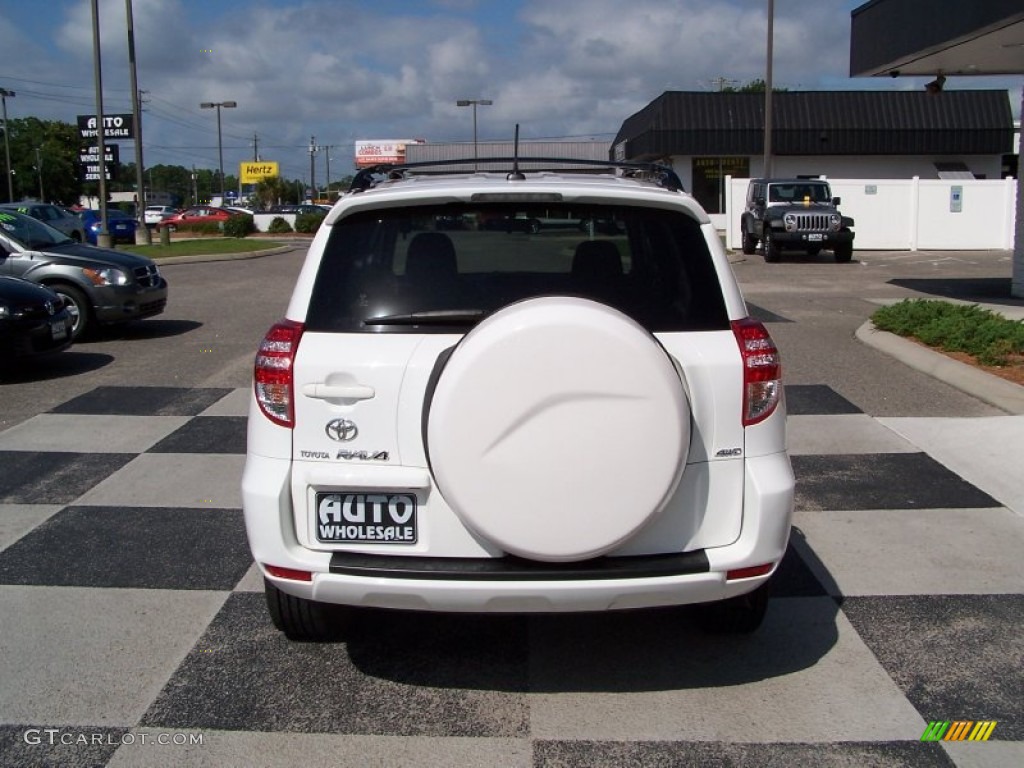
(459, 413)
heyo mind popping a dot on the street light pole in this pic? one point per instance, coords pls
(220, 143)
(4, 93)
(473, 103)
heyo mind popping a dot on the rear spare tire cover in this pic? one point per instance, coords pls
(558, 428)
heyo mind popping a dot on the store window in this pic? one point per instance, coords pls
(709, 179)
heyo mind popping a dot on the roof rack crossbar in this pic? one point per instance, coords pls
(663, 174)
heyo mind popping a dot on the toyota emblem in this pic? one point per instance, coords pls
(341, 430)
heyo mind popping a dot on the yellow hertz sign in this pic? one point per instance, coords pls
(254, 172)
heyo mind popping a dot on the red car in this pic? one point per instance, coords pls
(198, 214)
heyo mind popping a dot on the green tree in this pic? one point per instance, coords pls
(757, 85)
(269, 192)
(43, 154)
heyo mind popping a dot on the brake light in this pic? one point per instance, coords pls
(272, 378)
(762, 370)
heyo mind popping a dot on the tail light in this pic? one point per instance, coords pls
(762, 370)
(275, 390)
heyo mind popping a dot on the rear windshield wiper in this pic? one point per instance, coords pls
(432, 317)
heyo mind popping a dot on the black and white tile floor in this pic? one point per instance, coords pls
(131, 614)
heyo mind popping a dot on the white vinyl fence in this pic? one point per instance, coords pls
(911, 214)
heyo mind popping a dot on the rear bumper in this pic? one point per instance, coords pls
(507, 585)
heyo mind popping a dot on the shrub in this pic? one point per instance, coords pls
(239, 226)
(308, 222)
(989, 337)
(279, 226)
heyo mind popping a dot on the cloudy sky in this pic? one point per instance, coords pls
(347, 70)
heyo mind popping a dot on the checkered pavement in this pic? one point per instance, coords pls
(132, 615)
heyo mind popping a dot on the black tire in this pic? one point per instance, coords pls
(844, 252)
(78, 308)
(533, 226)
(749, 243)
(304, 620)
(737, 615)
(772, 252)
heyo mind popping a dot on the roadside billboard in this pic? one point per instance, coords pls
(114, 126)
(382, 151)
(253, 173)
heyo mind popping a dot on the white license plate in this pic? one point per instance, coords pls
(58, 329)
(366, 518)
(816, 237)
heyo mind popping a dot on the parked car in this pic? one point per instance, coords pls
(33, 321)
(120, 226)
(99, 285)
(154, 214)
(56, 216)
(478, 421)
(797, 215)
(198, 214)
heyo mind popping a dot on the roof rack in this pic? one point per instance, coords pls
(662, 175)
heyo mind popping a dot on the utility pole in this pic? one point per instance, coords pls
(142, 235)
(327, 156)
(4, 95)
(255, 148)
(39, 171)
(312, 168)
(768, 93)
(103, 235)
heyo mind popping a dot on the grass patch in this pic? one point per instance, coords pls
(203, 247)
(990, 338)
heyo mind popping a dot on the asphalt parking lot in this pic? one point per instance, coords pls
(134, 630)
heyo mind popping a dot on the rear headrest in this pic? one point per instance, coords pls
(431, 257)
(595, 259)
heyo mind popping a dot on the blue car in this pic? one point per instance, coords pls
(120, 225)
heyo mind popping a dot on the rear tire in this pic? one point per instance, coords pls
(304, 620)
(772, 252)
(737, 615)
(78, 308)
(749, 243)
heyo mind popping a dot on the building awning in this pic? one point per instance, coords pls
(933, 37)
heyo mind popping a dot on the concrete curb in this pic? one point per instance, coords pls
(991, 389)
(200, 258)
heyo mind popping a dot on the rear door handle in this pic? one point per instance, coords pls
(321, 391)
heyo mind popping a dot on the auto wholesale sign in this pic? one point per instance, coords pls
(91, 155)
(114, 127)
(385, 151)
(89, 162)
(253, 173)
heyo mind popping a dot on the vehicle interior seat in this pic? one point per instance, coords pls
(430, 259)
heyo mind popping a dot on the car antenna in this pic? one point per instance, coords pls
(515, 175)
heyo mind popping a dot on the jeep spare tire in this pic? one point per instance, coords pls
(558, 428)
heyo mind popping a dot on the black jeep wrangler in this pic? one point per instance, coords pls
(797, 215)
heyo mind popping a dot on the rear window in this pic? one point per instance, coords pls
(438, 268)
